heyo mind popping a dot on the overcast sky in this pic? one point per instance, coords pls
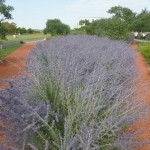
(34, 13)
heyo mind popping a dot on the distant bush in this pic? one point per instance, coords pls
(147, 36)
(140, 36)
(77, 32)
(56, 27)
(79, 94)
(113, 28)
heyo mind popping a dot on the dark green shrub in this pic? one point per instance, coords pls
(113, 28)
(77, 31)
(56, 27)
(140, 37)
(147, 37)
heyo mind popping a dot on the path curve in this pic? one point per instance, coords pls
(144, 78)
(11, 66)
(13, 63)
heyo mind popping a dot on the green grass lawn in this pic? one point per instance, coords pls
(144, 48)
(10, 38)
(8, 50)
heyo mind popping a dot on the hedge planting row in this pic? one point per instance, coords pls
(78, 93)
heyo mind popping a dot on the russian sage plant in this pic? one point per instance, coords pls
(78, 93)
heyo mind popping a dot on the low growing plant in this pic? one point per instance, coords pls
(144, 49)
(148, 37)
(79, 93)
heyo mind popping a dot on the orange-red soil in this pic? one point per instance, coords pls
(14, 62)
(144, 73)
(11, 67)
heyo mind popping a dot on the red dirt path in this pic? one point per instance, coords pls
(11, 67)
(14, 62)
(143, 123)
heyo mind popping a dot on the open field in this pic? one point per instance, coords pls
(10, 38)
(8, 50)
(144, 49)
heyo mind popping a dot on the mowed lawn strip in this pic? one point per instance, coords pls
(10, 38)
(144, 49)
(8, 50)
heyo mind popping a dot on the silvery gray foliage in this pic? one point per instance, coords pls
(84, 61)
(78, 93)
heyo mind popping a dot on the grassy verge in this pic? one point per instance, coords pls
(8, 50)
(10, 38)
(144, 48)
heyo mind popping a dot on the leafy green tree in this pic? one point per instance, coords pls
(124, 14)
(56, 27)
(112, 27)
(30, 31)
(116, 27)
(5, 13)
(45, 31)
(10, 28)
(84, 22)
(22, 30)
(142, 22)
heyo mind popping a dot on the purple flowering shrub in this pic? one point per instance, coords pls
(79, 94)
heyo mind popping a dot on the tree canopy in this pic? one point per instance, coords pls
(56, 27)
(111, 27)
(142, 22)
(123, 13)
(10, 28)
(120, 25)
(5, 13)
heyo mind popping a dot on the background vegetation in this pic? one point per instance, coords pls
(23, 37)
(120, 25)
(56, 27)
(144, 49)
(8, 50)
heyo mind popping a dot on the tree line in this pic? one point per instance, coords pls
(56, 27)
(120, 25)
(122, 22)
(11, 28)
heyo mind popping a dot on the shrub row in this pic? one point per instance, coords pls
(147, 37)
(78, 94)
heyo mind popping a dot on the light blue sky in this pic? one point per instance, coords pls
(34, 13)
